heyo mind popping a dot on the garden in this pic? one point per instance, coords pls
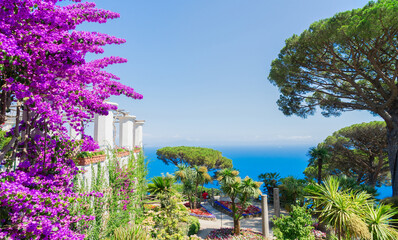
(49, 88)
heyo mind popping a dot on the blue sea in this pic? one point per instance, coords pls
(253, 160)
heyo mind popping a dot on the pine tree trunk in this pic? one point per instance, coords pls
(392, 148)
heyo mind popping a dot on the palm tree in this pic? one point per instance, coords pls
(236, 189)
(162, 185)
(379, 220)
(342, 209)
(271, 181)
(202, 177)
(318, 155)
(192, 178)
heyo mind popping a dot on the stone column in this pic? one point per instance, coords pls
(264, 214)
(126, 132)
(138, 133)
(103, 129)
(277, 204)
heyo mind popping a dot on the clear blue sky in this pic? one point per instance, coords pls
(202, 66)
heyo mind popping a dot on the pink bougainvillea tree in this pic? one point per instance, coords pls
(44, 77)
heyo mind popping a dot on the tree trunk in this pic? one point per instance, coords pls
(236, 226)
(392, 148)
(320, 170)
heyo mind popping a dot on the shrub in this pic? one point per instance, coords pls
(292, 190)
(296, 226)
(169, 220)
(347, 183)
(193, 226)
(129, 232)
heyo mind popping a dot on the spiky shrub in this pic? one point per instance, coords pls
(379, 220)
(131, 232)
(341, 209)
(295, 226)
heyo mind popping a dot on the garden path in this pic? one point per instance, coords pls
(227, 222)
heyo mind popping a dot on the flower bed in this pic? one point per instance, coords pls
(227, 233)
(201, 213)
(149, 206)
(225, 207)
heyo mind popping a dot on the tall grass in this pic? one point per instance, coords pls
(114, 196)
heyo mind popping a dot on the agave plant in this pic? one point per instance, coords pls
(342, 209)
(379, 220)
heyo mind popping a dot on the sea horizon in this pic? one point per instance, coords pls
(254, 160)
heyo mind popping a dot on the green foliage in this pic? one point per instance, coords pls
(170, 221)
(3, 140)
(336, 63)
(193, 225)
(86, 204)
(162, 185)
(352, 184)
(271, 181)
(392, 201)
(359, 151)
(379, 221)
(129, 232)
(84, 154)
(192, 156)
(295, 226)
(343, 63)
(121, 200)
(353, 214)
(120, 150)
(341, 209)
(318, 156)
(292, 191)
(191, 178)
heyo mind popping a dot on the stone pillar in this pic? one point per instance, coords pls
(138, 133)
(277, 204)
(264, 214)
(103, 129)
(126, 132)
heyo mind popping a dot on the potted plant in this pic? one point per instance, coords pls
(86, 158)
(137, 149)
(122, 152)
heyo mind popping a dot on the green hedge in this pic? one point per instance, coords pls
(194, 226)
